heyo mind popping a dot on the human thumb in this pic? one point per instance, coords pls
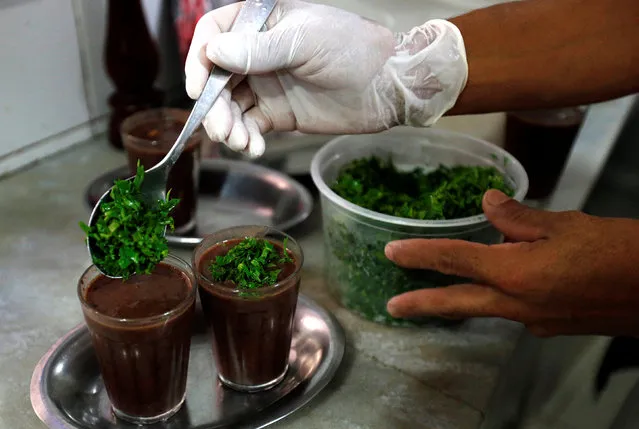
(251, 53)
(516, 221)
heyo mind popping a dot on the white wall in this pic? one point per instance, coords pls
(53, 88)
(41, 92)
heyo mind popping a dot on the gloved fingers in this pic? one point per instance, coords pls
(238, 138)
(244, 97)
(197, 66)
(274, 106)
(256, 141)
(236, 79)
(260, 122)
(248, 129)
(219, 120)
(196, 70)
(256, 145)
(256, 53)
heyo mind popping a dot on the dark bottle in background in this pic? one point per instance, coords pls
(542, 140)
(132, 62)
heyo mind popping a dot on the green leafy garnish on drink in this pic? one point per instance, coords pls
(445, 193)
(129, 236)
(250, 264)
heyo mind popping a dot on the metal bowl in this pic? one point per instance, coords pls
(232, 193)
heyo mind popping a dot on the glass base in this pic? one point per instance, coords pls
(149, 420)
(254, 388)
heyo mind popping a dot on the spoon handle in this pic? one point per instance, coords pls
(251, 19)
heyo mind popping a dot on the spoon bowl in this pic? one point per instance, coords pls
(150, 197)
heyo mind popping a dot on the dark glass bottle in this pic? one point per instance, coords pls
(132, 62)
(542, 140)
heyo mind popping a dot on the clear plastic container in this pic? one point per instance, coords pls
(358, 273)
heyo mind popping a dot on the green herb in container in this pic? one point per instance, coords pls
(397, 185)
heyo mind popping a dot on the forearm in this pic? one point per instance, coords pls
(549, 53)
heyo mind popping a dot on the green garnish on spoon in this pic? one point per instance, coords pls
(128, 237)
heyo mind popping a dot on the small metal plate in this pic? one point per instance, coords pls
(291, 152)
(232, 193)
(288, 152)
(67, 391)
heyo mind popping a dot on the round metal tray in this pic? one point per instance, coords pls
(232, 193)
(67, 390)
(288, 152)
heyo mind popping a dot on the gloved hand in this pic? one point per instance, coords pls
(318, 69)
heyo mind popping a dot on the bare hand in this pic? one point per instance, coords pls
(560, 272)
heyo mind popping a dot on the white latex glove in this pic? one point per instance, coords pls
(318, 69)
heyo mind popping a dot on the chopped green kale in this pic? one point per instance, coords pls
(251, 264)
(445, 193)
(128, 237)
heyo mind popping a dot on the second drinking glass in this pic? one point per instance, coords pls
(251, 328)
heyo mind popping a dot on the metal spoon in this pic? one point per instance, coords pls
(251, 19)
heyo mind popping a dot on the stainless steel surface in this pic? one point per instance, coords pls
(233, 193)
(251, 18)
(288, 152)
(590, 152)
(67, 390)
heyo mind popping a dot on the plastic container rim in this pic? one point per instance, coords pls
(327, 192)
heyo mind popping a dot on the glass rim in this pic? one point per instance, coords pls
(131, 141)
(181, 307)
(208, 283)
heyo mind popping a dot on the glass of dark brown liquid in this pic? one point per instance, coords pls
(251, 332)
(541, 140)
(147, 136)
(141, 332)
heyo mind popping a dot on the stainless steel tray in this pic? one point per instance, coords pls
(288, 152)
(67, 391)
(232, 193)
